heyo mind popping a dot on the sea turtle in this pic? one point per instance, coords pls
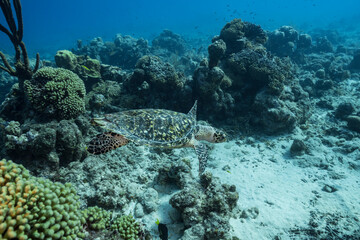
(156, 128)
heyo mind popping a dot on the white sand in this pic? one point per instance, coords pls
(267, 179)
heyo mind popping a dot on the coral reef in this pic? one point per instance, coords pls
(153, 80)
(86, 68)
(331, 34)
(238, 35)
(124, 52)
(151, 73)
(66, 59)
(231, 83)
(35, 208)
(114, 190)
(106, 96)
(322, 71)
(127, 227)
(169, 41)
(242, 78)
(96, 218)
(206, 208)
(147, 87)
(323, 45)
(288, 42)
(127, 51)
(56, 92)
(134, 178)
(46, 146)
(216, 51)
(253, 82)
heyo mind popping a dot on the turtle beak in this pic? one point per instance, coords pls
(98, 121)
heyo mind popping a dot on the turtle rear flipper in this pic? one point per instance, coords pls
(202, 154)
(105, 142)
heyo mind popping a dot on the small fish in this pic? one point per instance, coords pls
(163, 230)
(228, 171)
(86, 68)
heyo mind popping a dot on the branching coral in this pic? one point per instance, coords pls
(15, 33)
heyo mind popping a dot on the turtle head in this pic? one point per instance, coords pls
(210, 134)
(219, 136)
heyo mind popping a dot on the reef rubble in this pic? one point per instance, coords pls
(288, 100)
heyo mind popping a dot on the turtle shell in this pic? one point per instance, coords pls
(155, 127)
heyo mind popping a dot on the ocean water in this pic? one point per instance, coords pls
(269, 151)
(53, 25)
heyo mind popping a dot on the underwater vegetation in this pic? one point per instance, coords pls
(283, 106)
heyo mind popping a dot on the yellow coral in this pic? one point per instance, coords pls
(36, 208)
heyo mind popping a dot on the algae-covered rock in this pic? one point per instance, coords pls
(216, 51)
(206, 206)
(170, 41)
(88, 69)
(158, 75)
(353, 123)
(46, 146)
(234, 31)
(56, 92)
(284, 41)
(208, 80)
(66, 59)
(155, 84)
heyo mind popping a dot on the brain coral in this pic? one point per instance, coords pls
(57, 92)
(36, 208)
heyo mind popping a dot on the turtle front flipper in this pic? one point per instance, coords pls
(202, 154)
(105, 142)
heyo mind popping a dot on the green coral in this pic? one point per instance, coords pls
(97, 218)
(57, 92)
(127, 227)
(36, 208)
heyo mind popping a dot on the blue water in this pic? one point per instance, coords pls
(51, 25)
